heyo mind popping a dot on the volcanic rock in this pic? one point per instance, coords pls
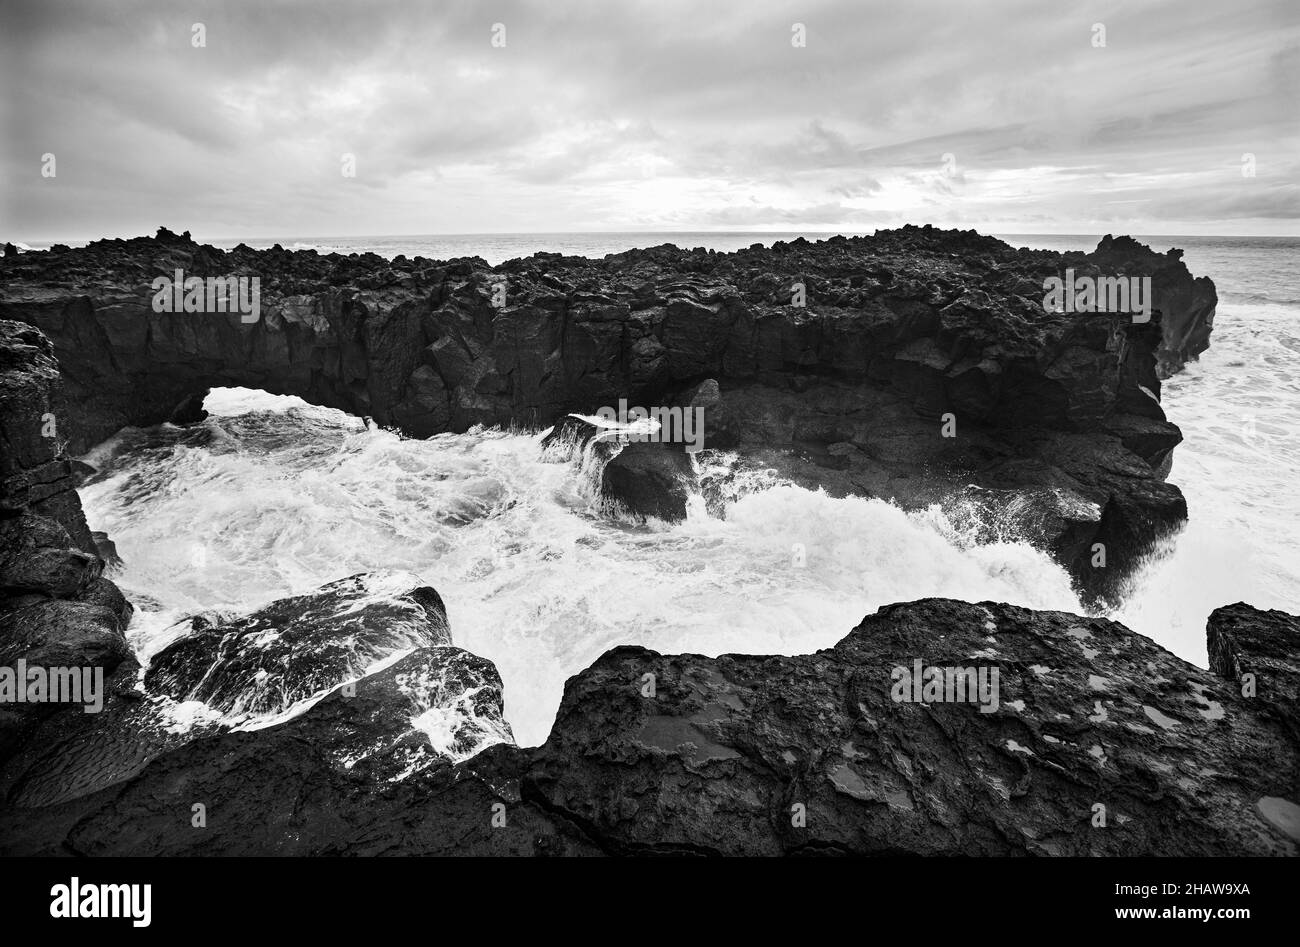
(55, 608)
(649, 479)
(926, 358)
(295, 647)
(1096, 742)
(1263, 644)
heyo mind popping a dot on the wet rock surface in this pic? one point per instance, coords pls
(363, 669)
(898, 335)
(293, 648)
(649, 479)
(56, 609)
(1096, 741)
(1088, 714)
(1258, 650)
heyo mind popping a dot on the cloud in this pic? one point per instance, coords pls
(648, 113)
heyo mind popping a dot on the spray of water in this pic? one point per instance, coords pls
(1236, 465)
(271, 498)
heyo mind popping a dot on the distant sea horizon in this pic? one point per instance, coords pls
(496, 248)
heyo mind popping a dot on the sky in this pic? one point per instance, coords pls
(1008, 116)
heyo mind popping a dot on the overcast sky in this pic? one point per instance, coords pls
(660, 115)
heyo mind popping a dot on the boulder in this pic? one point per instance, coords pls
(294, 648)
(61, 633)
(37, 555)
(1263, 644)
(1097, 742)
(650, 480)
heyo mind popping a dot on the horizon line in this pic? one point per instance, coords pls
(562, 233)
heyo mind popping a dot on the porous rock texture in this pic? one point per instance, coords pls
(56, 607)
(346, 721)
(1100, 743)
(918, 362)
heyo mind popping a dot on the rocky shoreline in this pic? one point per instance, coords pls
(921, 363)
(1102, 744)
(346, 721)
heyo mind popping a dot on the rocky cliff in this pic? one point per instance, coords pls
(56, 607)
(911, 365)
(1092, 741)
(348, 722)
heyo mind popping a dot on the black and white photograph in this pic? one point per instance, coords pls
(571, 429)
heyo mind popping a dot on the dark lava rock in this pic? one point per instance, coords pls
(36, 474)
(38, 555)
(190, 410)
(51, 634)
(433, 707)
(293, 648)
(637, 478)
(105, 593)
(901, 332)
(1187, 304)
(60, 633)
(1089, 714)
(649, 479)
(1099, 742)
(55, 608)
(370, 741)
(1263, 644)
(571, 438)
(81, 474)
(106, 549)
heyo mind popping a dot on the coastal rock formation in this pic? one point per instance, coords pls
(265, 662)
(36, 474)
(347, 722)
(56, 608)
(1188, 304)
(1100, 743)
(639, 478)
(1258, 650)
(650, 480)
(363, 669)
(1091, 740)
(907, 365)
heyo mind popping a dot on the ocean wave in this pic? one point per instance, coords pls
(1257, 299)
(535, 578)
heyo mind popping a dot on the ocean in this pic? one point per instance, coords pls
(271, 497)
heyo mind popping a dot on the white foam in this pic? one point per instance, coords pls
(1237, 408)
(534, 578)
